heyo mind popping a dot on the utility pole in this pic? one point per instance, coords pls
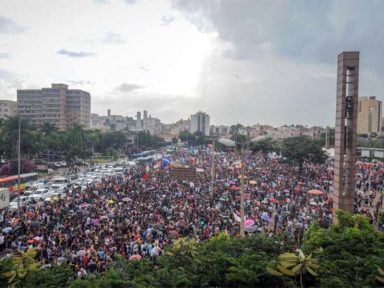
(213, 165)
(242, 233)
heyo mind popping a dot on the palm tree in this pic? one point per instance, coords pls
(291, 264)
(380, 278)
(22, 265)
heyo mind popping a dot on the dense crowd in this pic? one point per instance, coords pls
(137, 213)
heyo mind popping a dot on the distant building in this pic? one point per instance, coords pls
(200, 123)
(138, 121)
(368, 115)
(8, 108)
(57, 105)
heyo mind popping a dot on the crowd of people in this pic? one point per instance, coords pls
(137, 213)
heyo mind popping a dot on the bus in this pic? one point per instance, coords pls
(10, 182)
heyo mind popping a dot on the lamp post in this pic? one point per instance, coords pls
(231, 143)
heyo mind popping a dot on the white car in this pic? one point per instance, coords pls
(24, 200)
(41, 193)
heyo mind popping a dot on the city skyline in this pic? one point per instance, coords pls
(243, 62)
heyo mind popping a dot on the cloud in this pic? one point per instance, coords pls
(130, 1)
(112, 38)
(79, 82)
(167, 19)
(143, 68)
(4, 55)
(127, 87)
(75, 54)
(8, 26)
(275, 61)
(101, 1)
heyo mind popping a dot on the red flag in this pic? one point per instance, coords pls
(145, 176)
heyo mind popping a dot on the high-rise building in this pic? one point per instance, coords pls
(57, 105)
(138, 121)
(368, 115)
(145, 120)
(199, 123)
(8, 108)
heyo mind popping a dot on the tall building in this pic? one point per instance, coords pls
(345, 131)
(368, 115)
(199, 123)
(138, 121)
(57, 105)
(145, 120)
(8, 108)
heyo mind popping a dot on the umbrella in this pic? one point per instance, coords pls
(235, 188)
(110, 201)
(272, 199)
(83, 205)
(265, 216)
(315, 192)
(135, 257)
(252, 182)
(96, 222)
(7, 229)
(232, 182)
(126, 199)
(249, 222)
(31, 241)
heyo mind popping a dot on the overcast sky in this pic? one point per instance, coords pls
(241, 61)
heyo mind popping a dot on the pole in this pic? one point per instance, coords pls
(242, 233)
(213, 166)
(18, 166)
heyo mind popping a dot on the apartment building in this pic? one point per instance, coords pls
(57, 105)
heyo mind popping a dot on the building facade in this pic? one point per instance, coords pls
(200, 123)
(369, 115)
(345, 131)
(8, 108)
(57, 105)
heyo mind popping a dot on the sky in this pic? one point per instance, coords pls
(241, 61)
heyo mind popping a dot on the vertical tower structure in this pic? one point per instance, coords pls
(345, 134)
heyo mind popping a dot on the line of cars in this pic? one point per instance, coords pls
(58, 186)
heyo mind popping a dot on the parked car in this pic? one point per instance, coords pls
(24, 200)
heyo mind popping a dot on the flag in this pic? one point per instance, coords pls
(145, 176)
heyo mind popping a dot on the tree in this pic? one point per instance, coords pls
(264, 146)
(76, 144)
(291, 264)
(174, 140)
(297, 150)
(185, 136)
(22, 265)
(10, 135)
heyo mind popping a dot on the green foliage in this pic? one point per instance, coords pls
(58, 276)
(22, 265)
(351, 252)
(265, 146)
(147, 141)
(297, 150)
(348, 254)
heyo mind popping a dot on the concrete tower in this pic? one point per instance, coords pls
(345, 134)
